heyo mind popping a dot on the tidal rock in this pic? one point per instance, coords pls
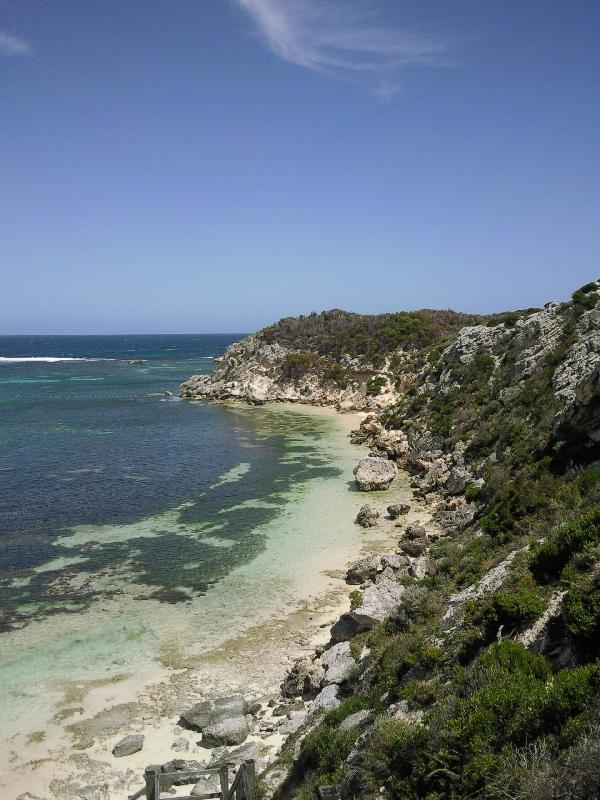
(327, 699)
(128, 745)
(379, 601)
(304, 679)
(210, 712)
(230, 731)
(367, 516)
(398, 510)
(374, 474)
(339, 664)
(364, 569)
(360, 719)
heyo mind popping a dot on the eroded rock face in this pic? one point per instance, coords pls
(374, 474)
(367, 516)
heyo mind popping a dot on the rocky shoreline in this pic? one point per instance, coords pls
(234, 727)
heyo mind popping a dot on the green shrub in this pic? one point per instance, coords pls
(550, 557)
(588, 480)
(580, 615)
(510, 608)
(375, 385)
(296, 365)
(356, 599)
(584, 299)
(472, 493)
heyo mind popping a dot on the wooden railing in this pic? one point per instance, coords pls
(242, 788)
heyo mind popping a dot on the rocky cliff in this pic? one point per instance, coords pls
(468, 662)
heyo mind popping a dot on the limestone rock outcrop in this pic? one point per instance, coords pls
(374, 474)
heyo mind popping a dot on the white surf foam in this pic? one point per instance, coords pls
(45, 359)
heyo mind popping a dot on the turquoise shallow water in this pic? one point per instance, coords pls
(96, 442)
(138, 531)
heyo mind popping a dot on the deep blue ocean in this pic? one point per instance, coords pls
(97, 441)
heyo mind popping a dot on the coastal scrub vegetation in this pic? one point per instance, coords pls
(470, 710)
(337, 332)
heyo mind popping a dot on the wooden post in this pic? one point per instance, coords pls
(151, 775)
(250, 776)
(224, 782)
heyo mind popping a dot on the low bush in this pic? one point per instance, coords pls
(375, 385)
(580, 616)
(510, 609)
(549, 558)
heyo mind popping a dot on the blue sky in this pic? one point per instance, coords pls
(212, 165)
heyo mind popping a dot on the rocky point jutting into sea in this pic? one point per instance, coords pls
(461, 659)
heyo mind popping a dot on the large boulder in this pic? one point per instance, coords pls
(365, 569)
(128, 746)
(231, 758)
(327, 699)
(339, 663)
(304, 679)
(295, 719)
(380, 600)
(209, 712)
(230, 731)
(374, 474)
(367, 516)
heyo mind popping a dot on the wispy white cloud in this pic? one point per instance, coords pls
(11, 46)
(343, 38)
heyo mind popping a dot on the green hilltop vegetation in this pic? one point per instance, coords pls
(338, 332)
(498, 720)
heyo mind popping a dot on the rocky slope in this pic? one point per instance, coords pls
(468, 663)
